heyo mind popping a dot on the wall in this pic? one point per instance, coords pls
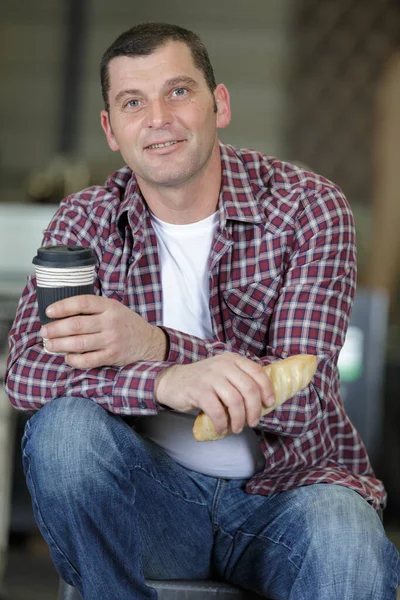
(30, 69)
(247, 41)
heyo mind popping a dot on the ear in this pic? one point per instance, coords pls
(106, 125)
(223, 103)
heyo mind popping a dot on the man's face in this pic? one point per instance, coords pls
(162, 117)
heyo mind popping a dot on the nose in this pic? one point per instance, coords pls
(158, 114)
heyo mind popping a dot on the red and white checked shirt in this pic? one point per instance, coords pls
(282, 274)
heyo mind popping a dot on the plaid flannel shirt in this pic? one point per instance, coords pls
(282, 273)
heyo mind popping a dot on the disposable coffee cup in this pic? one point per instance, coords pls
(62, 272)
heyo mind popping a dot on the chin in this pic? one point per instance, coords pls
(172, 182)
(170, 179)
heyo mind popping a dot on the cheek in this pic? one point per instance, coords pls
(206, 126)
(191, 115)
(201, 123)
(128, 135)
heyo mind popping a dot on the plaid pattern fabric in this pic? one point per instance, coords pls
(282, 277)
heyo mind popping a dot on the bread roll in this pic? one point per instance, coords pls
(288, 376)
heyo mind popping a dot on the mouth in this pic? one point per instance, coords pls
(158, 145)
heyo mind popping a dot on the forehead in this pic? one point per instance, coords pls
(169, 61)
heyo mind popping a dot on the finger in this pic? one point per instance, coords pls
(91, 360)
(258, 374)
(76, 344)
(71, 326)
(76, 305)
(232, 398)
(250, 393)
(217, 412)
(252, 402)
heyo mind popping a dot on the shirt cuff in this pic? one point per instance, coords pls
(185, 348)
(133, 390)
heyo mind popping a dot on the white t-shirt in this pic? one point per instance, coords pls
(184, 252)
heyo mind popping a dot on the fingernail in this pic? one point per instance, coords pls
(47, 344)
(49, 311)
(271, 401)
(254, 423)
(43, 332)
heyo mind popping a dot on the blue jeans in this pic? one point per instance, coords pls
(115, 509)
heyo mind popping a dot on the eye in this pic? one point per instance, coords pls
(179, 92)
(132, 103)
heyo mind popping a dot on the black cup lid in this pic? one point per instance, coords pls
(64, 256)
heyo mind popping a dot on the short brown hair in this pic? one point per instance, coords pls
(143, 39)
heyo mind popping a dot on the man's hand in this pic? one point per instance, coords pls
(229, 388)
(94, 331)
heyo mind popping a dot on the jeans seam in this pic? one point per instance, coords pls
(396, 569)
(266, 537)
(215, 504)
(44, 525)
(139, 467)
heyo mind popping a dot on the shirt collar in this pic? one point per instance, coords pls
(132, 205)
(239, 198)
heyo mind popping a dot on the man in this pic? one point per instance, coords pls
(212, 262)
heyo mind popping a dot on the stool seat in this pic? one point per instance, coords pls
(179, 590)
(196, 590)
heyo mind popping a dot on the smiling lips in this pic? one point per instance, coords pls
(163, 144)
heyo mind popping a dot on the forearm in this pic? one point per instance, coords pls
(185, 349)
(296, 415)
(34, 377)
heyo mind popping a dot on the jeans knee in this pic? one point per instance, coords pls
(67, 444)
(347, 543)
(339, 518)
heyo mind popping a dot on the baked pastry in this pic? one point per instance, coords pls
(288, 376)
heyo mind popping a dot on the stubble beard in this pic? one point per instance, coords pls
(183, 174)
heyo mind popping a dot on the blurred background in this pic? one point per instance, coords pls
(316, 82)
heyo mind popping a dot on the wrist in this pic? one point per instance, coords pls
(158, 349)
(159, 386)
(163, 340)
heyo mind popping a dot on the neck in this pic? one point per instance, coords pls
(192, 201)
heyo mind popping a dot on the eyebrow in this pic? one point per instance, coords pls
(180, 79)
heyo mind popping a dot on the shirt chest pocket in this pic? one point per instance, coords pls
(247, 312)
